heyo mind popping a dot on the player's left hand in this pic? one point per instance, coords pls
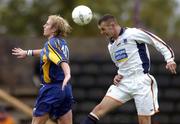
(65, 81)
(63, 86)
(171, 66)
(117, 79)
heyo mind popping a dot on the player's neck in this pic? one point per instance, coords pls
(50, 37)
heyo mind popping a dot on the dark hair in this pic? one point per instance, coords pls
(106, 17)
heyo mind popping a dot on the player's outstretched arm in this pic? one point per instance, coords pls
(21, 54)
(171, 66)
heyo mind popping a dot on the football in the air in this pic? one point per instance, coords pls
(82, 15)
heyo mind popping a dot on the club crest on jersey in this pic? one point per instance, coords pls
(124, 41)
(121, 55)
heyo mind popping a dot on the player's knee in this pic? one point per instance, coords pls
(144, 119)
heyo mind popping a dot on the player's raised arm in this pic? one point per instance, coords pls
(150, 38)
(21, 54)
(143, 36)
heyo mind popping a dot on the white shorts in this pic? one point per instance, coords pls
(142, 88)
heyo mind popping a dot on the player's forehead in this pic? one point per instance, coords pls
(103, 25)
(49, 21)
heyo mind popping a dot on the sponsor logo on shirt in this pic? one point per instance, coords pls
(121, 55)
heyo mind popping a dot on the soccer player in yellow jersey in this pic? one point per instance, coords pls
(55, 97)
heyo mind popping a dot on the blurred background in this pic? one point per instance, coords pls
(92, 70)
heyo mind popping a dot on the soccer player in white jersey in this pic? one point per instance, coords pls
(128, 50)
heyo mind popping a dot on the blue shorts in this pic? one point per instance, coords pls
(53, 100)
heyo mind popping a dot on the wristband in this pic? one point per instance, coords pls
(29, 52)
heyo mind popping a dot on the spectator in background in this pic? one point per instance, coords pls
(5, 117)
(55, 96)
(129, 52)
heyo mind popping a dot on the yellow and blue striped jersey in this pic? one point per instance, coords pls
(54, 52)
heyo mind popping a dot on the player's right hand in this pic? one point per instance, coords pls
(171, 66)
(117, 79)
(19, 53)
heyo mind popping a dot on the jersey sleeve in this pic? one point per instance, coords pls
(143, 36)
(54, 52)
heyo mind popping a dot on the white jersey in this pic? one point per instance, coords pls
(130, 54)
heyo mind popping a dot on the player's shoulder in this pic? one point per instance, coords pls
(54, 40)
(57, 41)
(132, 30)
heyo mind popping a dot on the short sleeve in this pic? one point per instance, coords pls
(54, 52)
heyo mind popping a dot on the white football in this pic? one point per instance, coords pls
(82, 15)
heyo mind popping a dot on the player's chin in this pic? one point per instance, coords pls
(107, 36)
(45, 34)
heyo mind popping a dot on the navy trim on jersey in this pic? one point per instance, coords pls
(120, 33)
(143, 56)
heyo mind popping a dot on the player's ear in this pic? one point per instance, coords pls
(54, 30)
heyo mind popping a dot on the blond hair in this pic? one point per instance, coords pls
(61, 25)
